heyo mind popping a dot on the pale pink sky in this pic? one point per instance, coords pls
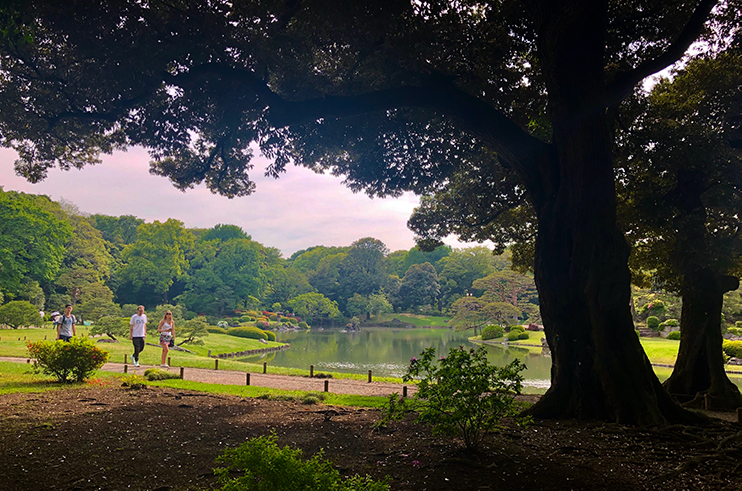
(299, 210)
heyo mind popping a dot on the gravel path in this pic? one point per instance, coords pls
(285, 382)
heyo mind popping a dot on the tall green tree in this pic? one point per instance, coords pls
(419, 286)
(386, 94)
(680, 173)
(32, 241)
(155, 259)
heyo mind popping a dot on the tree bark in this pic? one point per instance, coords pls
(599, 369)
(699, 369)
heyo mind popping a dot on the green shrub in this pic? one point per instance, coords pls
(516, 328)
(293, 320)
(266, 467)
(271, 335)
(513, 335)
(735, 330)
(273, 317)
(732, 348)
(19, 313)
(248, 332)
(523, 335)
(673, 335)
(153, 374)
(492, 332)
(653, 323)
(76, 359)
(245, 318)
(460, 393)
(671, 322)
(216, 330)
(303, 325)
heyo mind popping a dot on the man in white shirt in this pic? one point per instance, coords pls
(137, 332)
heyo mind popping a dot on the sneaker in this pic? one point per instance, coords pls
(165, 366)
(136, 363)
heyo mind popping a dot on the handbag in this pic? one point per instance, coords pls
(171, 344)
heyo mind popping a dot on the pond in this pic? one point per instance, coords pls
(387, 351)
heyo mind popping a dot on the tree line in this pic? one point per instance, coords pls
(54, 254)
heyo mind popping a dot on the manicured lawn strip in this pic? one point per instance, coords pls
(20, 377)
(251, 391)
(661, 350)
(416, 320)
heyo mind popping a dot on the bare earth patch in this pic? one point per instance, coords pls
(157, 438)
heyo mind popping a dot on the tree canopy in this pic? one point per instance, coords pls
(393, 96)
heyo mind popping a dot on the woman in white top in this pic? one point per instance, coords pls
(167, 331)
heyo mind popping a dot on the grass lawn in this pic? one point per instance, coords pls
(20, 377)
(414, 319)
(13, 343)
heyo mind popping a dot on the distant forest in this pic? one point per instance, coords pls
(53, 254)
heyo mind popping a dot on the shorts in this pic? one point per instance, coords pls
(62, 337)
(165, 338)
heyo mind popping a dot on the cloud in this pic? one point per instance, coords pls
(299, 210)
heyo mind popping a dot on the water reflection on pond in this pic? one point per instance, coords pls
(387, 351)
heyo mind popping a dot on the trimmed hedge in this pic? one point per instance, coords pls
(673, 335)
(248, 332)
(653, 323)
(513, 335)
(271, 335)
(492, 332)
(732, 348)
(523, 335)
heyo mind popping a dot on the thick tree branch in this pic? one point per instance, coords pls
(513, 145)
(624, 83)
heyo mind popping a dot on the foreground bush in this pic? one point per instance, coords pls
(492, 332)
(77, 359)
(673, 335)
(461, 393)
(248, 332)
(267, 467)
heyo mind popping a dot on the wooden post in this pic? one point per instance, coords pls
(706, 402)
(182, 369)
(369, 376)
(247, 378)
(126, 368)
(168, 360)
(327, 386)
(216, 364)
(311, 371)
(44, 338)
(125, 359)
(404, 391)
(209, 354)
(265, 367)
(28, 360)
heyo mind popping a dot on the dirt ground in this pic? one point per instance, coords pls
(110, 437)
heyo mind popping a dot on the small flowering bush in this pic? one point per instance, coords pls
(461, 394)
(74, 360)
(264, 466)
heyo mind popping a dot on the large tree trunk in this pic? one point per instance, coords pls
(599, 369)
(699, 370)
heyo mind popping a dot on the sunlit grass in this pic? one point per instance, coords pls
(264, 392)
(20, 377)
